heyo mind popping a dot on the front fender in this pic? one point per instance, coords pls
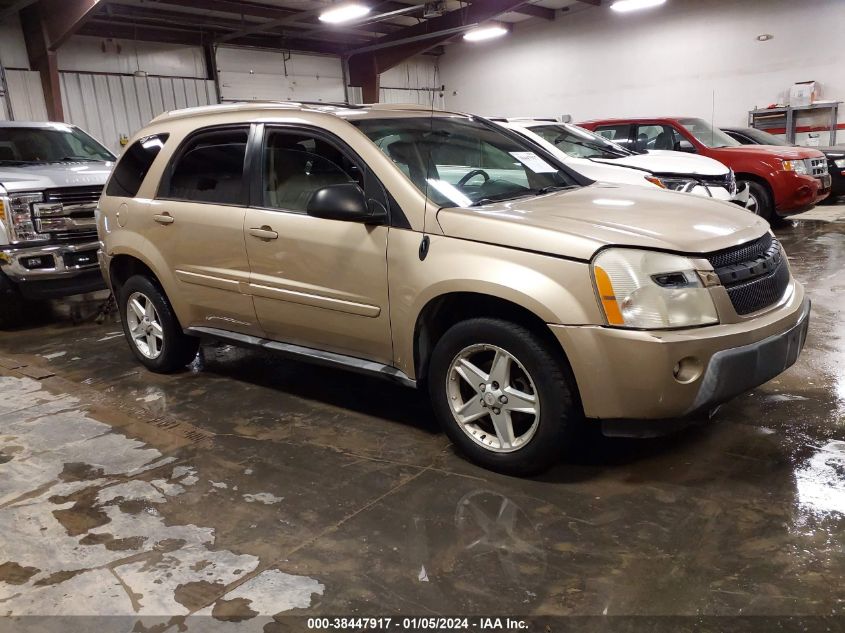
(556, 290)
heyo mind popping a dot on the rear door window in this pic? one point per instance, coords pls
(209, 168)
(130, 172)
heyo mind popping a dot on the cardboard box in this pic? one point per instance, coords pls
(803, 93)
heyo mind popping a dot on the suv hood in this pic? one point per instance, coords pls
(578, 222)
(769, 151)
(42, 176)
(668, 162)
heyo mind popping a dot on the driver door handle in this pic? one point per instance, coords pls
(164, 218)
(264, 233)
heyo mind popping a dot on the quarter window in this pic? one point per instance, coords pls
(209, 168)
(133, 166)
(296, 165)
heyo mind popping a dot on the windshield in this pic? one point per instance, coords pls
(578, 142)
(61, 143)
(459, 161)
(708, 135)
(764, 138)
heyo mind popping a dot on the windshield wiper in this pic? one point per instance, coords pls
(551, 188)
(598, 148)
(78, 159)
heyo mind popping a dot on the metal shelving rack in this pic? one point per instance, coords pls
(767, 118)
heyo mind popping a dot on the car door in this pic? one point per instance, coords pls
(316, 282)
(199, 218)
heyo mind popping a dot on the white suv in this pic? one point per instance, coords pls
(678, 171)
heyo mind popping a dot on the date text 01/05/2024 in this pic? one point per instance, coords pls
(425, 623)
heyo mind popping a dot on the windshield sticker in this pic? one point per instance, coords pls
(534, 162)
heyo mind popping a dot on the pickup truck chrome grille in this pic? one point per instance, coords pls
(755, 275)
(67, 214)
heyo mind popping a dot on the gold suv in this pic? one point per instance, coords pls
(438, 249)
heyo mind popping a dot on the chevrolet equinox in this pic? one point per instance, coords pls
(437, 249)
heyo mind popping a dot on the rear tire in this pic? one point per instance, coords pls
(515, 399)
(152, 329)
(759, 200)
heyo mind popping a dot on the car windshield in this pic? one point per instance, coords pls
(764, 138)
(59, 143)
(708, 135)
(460, 161)
(579, 143)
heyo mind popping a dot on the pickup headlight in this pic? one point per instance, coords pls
(840, 163)
(650, 290)
(18, 218)
(798, 166)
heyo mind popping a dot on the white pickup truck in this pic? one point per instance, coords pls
(677, 171)
(51, 177)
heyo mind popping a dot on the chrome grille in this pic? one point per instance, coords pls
(755, 275)
(67, 214)
(817, 167)
(74, 195)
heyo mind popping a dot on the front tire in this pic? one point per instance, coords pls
(502, 396)
(152, 329)
(759, 200)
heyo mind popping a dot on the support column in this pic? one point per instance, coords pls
(364, 73)
(43, 60)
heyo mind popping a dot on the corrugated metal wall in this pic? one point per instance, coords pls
(26, 96)
(108, 106)
(247, 74)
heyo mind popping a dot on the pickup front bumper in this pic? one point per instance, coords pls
(52, 271)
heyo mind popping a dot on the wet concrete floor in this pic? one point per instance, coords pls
(251, 486)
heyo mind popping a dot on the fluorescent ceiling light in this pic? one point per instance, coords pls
(344, 13)
(485, 33)
(623, 6)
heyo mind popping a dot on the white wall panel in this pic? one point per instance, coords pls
(251, 74)
(26, 96)
(414, 81)
(97, 55)
(12, 45)
(673, 60)
(108, 106)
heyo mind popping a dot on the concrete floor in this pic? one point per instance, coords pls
(251, 486)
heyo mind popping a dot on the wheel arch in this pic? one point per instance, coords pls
(445, 310)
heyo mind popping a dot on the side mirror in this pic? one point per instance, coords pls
(344, 201)
(685, 146)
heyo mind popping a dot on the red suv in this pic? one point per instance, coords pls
(781, 180)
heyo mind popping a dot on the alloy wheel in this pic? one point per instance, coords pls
(493, 398)
(144, 325)
(753, 205)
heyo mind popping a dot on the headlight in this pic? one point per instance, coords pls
(18, 218)
(655, 181)
(684, 185)
(798, 166)
(651, 290)
(840, 163)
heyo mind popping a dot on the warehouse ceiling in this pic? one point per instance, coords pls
(294, 24)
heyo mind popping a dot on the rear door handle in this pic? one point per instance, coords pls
(164, 218)
(264, 233)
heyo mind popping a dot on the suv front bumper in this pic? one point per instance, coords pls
(633, 375)
(53, 270)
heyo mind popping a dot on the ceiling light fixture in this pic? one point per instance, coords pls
(485, 33)
(345, 12)
(624, 6)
